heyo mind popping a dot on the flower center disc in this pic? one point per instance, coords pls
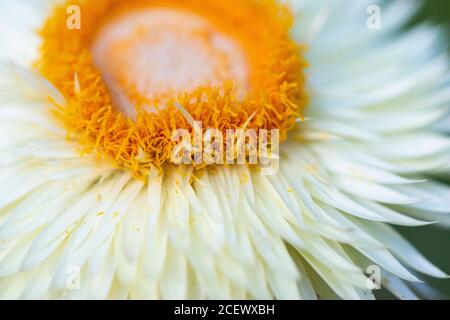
(134, 72)
(160, 53)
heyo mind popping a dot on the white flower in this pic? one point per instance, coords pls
(73, 226)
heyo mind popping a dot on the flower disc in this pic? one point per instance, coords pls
(129, 66)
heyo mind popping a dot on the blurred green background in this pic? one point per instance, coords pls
(434, 242)
(437, 11)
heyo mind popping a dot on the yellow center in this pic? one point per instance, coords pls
(131, 64)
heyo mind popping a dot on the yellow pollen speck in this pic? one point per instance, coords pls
(245, 179)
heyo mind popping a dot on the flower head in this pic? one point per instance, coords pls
(92, 205)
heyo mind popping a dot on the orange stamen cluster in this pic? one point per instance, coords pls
(275, 98)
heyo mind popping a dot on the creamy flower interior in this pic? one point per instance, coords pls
(363, 161)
